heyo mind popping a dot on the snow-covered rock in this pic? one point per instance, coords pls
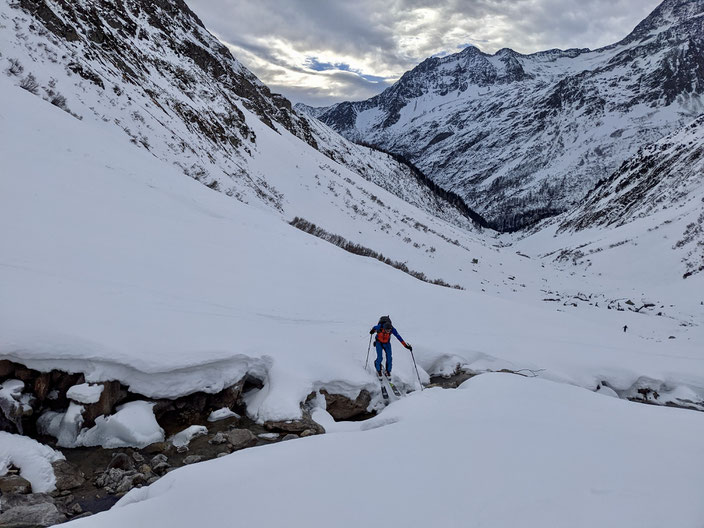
(183, 438)
(32, 458)
(85, 393)
(222, 414)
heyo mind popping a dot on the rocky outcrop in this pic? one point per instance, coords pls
(67, 476)
(29, 511)
(343, 408)
(305, 424)
(14, 484)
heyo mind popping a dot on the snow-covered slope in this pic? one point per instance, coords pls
(521, 137)
(124, 269)
(501, 451)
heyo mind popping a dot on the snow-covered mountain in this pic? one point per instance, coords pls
(153, 71)
(521, 137)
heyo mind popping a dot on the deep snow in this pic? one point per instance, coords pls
(501, 451)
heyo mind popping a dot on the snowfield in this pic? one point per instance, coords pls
(501, 451)
(123, 269)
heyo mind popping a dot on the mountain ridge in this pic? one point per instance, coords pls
(525, 136)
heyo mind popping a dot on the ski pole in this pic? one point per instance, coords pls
(416, 366)
(366, 363)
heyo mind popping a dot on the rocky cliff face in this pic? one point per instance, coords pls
(521, 137)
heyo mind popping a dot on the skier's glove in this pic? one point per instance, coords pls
(371, 331)
(409, 347)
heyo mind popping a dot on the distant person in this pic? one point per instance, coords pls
(625, 327)
(384, 330)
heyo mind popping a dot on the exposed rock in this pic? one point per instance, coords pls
(160, 464)
(192, 459)
(67, 475)
(29, 511)
(7, 368)
(137, 457)
(120, 481)
(157, 447)
(158, 459)
(121, 461)
(218, 438)
(14, 484)
(42, 385)
(296, 426)
(112, 394)
(227, 397)
(161, 469)
(241, 438)
(129, 481)
(289, 436)
(343, 408)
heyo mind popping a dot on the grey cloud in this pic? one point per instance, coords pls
(373, 31)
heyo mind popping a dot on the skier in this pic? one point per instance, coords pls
(625, 328)
(384, 330)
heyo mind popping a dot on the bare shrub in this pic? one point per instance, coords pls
(30, 84)
(351, 247)
(15, 68)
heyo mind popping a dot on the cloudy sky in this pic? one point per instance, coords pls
(324, 51)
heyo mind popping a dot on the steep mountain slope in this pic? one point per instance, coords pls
(521, 137)
(638, 237)
(664, 181)
(153, 71)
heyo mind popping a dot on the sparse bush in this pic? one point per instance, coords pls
(59, 100)
(15, 68)
(30, 84)
(351, 247)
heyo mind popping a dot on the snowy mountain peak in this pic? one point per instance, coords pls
(670, 13)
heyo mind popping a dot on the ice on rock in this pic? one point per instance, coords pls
(85, 393)
(65, 427)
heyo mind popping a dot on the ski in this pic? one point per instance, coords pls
(384, 392)
(396, 392)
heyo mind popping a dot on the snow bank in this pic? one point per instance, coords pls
(32, 458)
(133, 425)
(502, 451)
